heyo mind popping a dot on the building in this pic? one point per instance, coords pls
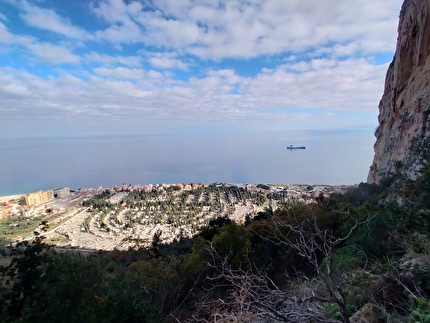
(61, 193)
(39, 197)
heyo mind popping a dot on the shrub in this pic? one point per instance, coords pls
(421, 311)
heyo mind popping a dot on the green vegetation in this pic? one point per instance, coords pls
(18, 227)
(183, 210)
(317, 262)
(421, 310)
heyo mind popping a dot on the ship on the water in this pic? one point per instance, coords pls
(296, 147)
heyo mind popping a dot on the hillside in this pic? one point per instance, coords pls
(354, 256)
(343, 258)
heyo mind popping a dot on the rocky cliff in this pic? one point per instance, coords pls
(405, 105)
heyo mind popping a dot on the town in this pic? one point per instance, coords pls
(130, 216)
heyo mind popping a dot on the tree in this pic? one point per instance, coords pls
(30, 260)
(313, 243)
(242, 292)
(250, 295)
(156, 241)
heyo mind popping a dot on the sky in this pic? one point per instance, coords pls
(95, 67)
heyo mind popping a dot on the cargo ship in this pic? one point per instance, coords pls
(296, 147)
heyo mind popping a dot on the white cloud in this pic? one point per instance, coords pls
(133, 93)
(353, 84)
(120, 16)
(170, 33)
(7, 37)
(124, 33)
(138, 64)
(239, 29)
(44, 52)
(11, 88)
(167, 60)
(53, 54)
(48, 19)
(120, 73)
(109, 60)
(115, 11)
(339, 50)
(140, 79)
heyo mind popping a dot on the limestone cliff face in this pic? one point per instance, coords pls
(405, 105)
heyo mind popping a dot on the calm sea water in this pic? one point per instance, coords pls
(29, 164)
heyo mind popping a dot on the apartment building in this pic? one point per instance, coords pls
(39, 197)
(61, 192)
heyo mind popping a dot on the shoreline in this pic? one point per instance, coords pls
(7, 198)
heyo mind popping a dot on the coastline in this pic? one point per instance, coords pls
(7, 198)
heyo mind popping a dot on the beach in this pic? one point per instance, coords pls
(7, 198)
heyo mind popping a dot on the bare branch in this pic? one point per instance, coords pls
(314, 243)
(252, 296)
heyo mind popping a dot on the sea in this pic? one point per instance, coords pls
(254, 157)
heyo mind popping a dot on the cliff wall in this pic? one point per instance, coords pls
(405, 105)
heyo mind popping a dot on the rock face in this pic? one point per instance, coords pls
(405, 105)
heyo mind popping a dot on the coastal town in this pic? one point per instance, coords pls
(131, 216)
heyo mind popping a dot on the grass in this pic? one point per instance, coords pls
(17, 226)
(57, 240)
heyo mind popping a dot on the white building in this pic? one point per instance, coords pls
(62, 192)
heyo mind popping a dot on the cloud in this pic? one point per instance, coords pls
(141, 80)
(127, 32)
(136, 94)
(53, 54)
(7, 37)
(197, 60)
(170, 33)
(167, 60)
(249, 29)
(116, 11)
(44, 52)
(232, 29)
(48, 19)
(120, 73)
(353, 84)
(122, 27)
(109, 60)
(11, 88)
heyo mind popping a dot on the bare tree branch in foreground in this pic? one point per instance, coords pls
(312, 243)
(252, 297)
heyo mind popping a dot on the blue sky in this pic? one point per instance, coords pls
(124, 66)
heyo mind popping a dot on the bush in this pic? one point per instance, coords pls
(421, 311)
